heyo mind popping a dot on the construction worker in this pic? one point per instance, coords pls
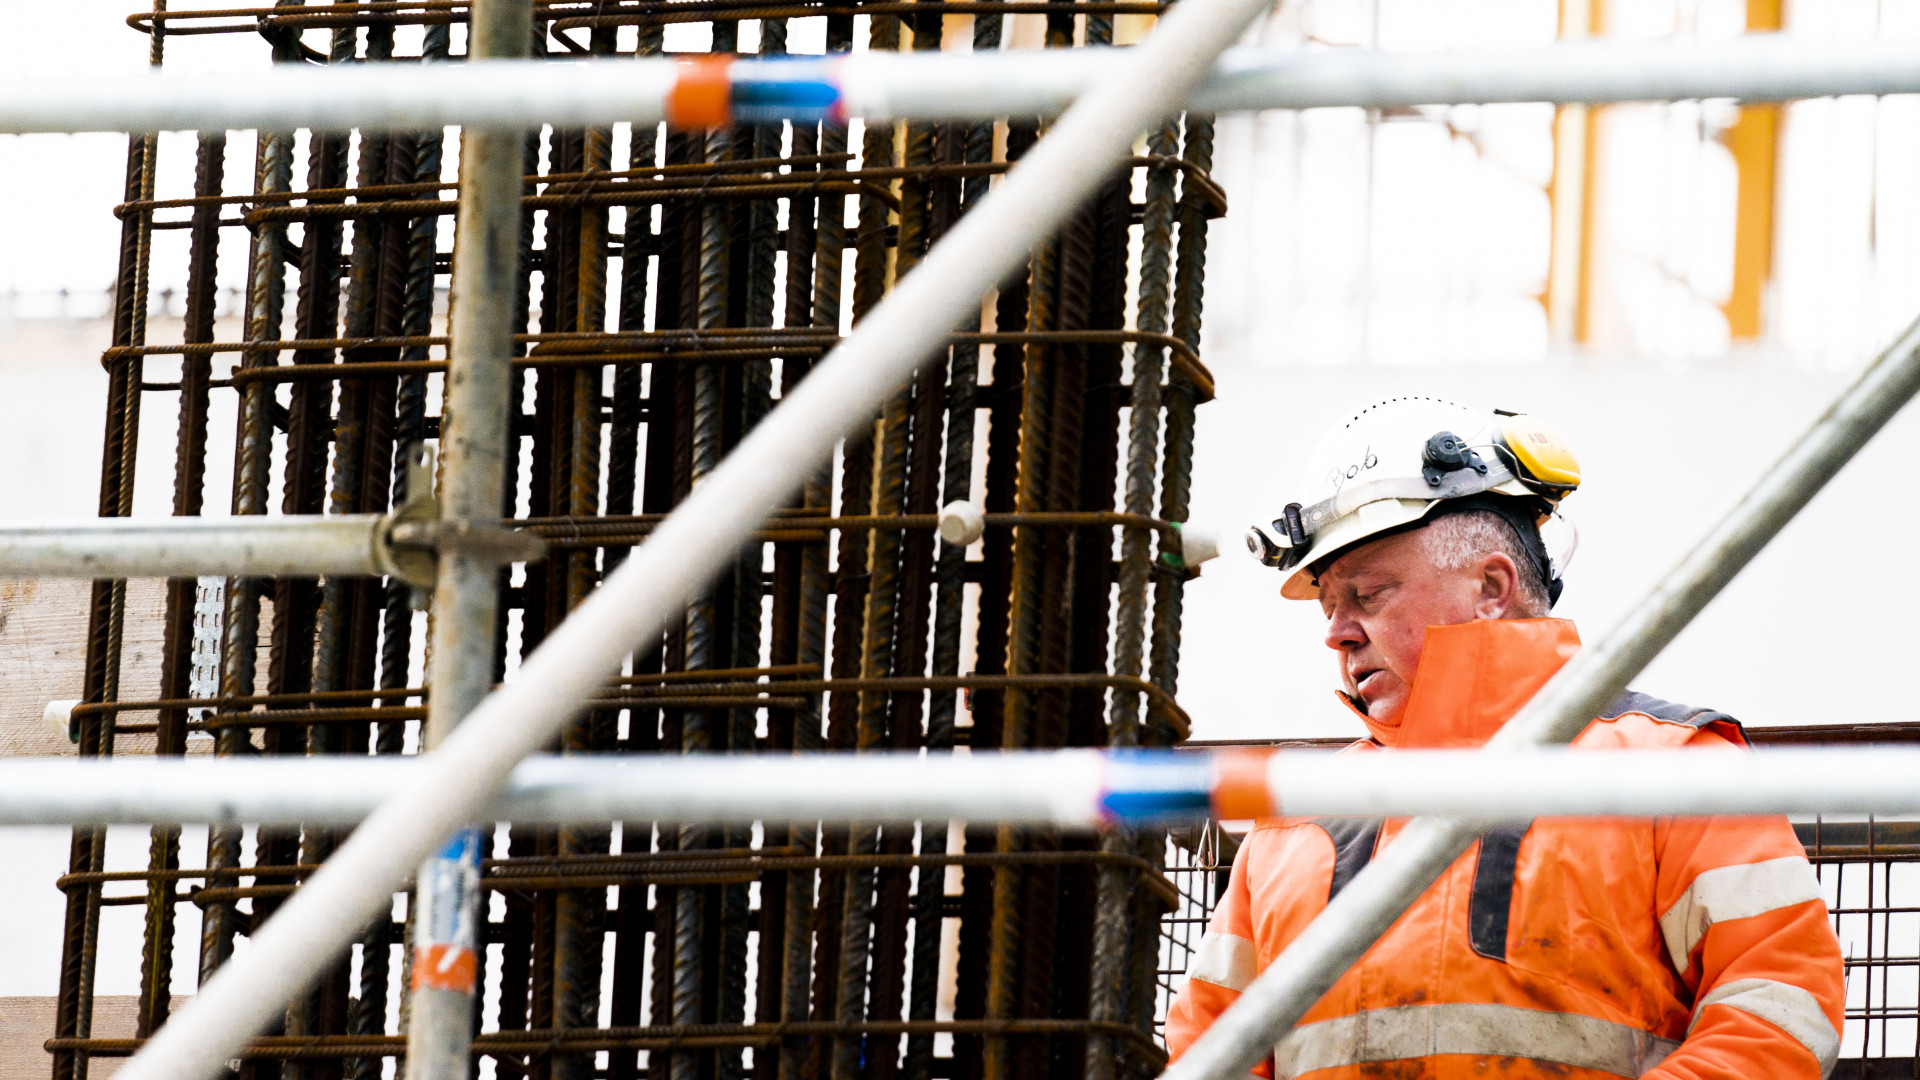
(1674, 948)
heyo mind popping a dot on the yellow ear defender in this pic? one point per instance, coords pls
(1539, 455)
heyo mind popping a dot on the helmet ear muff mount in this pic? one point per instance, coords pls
(1446, 452)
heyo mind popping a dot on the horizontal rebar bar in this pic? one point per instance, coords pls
(682, 1036)
(658, 177)
(938, 86)
(537, 874)
(1069, 788)
(572, 349)
(572, 14)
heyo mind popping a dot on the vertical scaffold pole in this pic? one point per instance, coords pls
(473, 451)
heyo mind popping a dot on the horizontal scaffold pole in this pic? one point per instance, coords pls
(938, 86)
(310, 546)
(402, 545)
(1076, 789)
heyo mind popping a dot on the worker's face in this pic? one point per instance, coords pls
(1379, 599)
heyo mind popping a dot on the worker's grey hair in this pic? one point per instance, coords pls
(1457, 541)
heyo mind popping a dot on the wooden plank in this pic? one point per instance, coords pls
(26, 1023)
(43, 652)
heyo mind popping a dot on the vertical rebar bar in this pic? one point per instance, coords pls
(1112, 912)
(974, 147)
(189, 489)
(806, 219)
(579, 914)
(1177, 473)
(849, 573)
(73, 1007)
(253, 463)
(633, 919)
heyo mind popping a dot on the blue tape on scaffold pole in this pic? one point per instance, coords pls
(1157, 785)
(767, 91)
(449, 880)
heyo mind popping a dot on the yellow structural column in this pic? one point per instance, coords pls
(1570, 195)
(1754, 140)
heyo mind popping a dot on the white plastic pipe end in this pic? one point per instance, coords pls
(1198, 543)
(961, 523)
(59, 719)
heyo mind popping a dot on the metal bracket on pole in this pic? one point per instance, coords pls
(412, 538)
(406, 544)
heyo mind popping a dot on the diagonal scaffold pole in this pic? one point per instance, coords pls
(1382, 892)
(696, 542)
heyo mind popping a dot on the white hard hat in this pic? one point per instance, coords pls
(1388, 466)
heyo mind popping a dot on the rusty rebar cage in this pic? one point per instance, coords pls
(664, 306)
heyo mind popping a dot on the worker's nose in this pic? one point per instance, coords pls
(1344, 631)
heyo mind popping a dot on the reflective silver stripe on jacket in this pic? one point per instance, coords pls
(1734, 892)
(1417, 1031)
(1790, 1008)
(1223, 960)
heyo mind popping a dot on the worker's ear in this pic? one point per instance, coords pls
(1499, 587)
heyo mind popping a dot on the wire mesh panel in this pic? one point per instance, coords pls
(673, 286)
(1198, 861)
(1870, 877)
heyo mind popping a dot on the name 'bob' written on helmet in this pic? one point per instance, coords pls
(1389, 466)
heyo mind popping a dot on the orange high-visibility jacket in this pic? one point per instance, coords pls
(1673, 948)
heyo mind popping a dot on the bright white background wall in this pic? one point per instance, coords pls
(1812, 632)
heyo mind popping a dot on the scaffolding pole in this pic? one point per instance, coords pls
(696, 542)
(941, 86)
(1069, 789)
(466, 597)
(187, 547)
(1382, 892)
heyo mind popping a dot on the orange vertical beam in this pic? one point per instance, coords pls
(1589, 223)
(1566, 202)
(1754, 140)
(1571, 196)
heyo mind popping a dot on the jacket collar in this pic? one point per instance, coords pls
(1473, 677)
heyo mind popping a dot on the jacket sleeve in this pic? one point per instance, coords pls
(1745, 925)
(1220, 967)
